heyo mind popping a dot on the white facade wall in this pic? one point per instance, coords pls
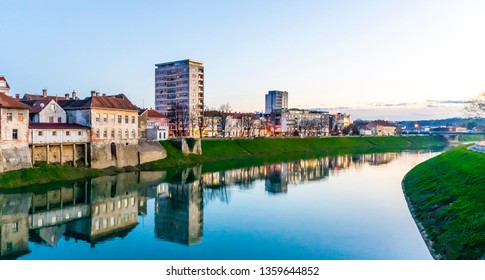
(52, 113)
(58, 136)
(158, 133)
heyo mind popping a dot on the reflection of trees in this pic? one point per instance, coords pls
(278, 176)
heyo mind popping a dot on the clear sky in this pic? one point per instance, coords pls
(375, 59)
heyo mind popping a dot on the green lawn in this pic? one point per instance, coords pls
(447, 195)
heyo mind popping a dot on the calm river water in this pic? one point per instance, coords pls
(338, 207)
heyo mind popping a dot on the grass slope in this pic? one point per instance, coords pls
(232, 153)
(447, 197)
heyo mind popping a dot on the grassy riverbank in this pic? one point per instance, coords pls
(231, 153)
(446, 195)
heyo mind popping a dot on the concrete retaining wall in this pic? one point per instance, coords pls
(14, 157)
(103, 155)
(151, 151)
(40, 153)
(184, 147)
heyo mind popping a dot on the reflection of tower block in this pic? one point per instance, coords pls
(276, 180)
(178, 214)
(14, 234)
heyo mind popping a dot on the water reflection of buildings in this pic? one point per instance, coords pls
(14, 234)
(278, 176)
(179, 208)
(93, 211)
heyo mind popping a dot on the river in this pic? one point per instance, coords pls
(337, 207)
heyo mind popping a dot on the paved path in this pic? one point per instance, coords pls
(478, 147)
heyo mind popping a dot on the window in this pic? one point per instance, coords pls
(21, 117)
(39, 133)
(105, 134)
(126, 119)
(54, 133)
(105, 118)
(97, 133)
(133, 134)
(15, 134)
(120, 134)
(51, 119)
(97, 118)
(15, 227)
(112, 117)
(79, 133)
(67, 133)
(120, 118)
(9, 117)
(113, 133)
(132, 119)
(59, 119)
(53, 106)
(126, 134)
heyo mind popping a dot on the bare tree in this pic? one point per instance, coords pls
(323, 125)
(262, 125)
(194, 121)
(475, 108)
(247, 124)
(212, 119)
(203, 122)
(179, 118)
(184, 116)
(224, 113)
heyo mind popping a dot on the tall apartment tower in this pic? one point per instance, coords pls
(179, 93)
(276, 100)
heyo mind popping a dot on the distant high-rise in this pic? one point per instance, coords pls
(276, 100)
(179, 93)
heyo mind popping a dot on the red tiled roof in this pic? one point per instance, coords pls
(56, 126)
(28, 96)
(155, 114)
(2, 78)
(119, 101)
(10, 102)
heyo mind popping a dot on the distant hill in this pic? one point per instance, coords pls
(444, 122)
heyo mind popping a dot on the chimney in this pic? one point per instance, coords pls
(74, 94)
(104, 94)
(44, 93)
(17, 96)
(93, 93)
(97, 93)
(67, 95)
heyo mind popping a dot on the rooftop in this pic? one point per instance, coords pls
(33, 125)
(12, 103)
(119, 101)
(2, 78)
(190, 61)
